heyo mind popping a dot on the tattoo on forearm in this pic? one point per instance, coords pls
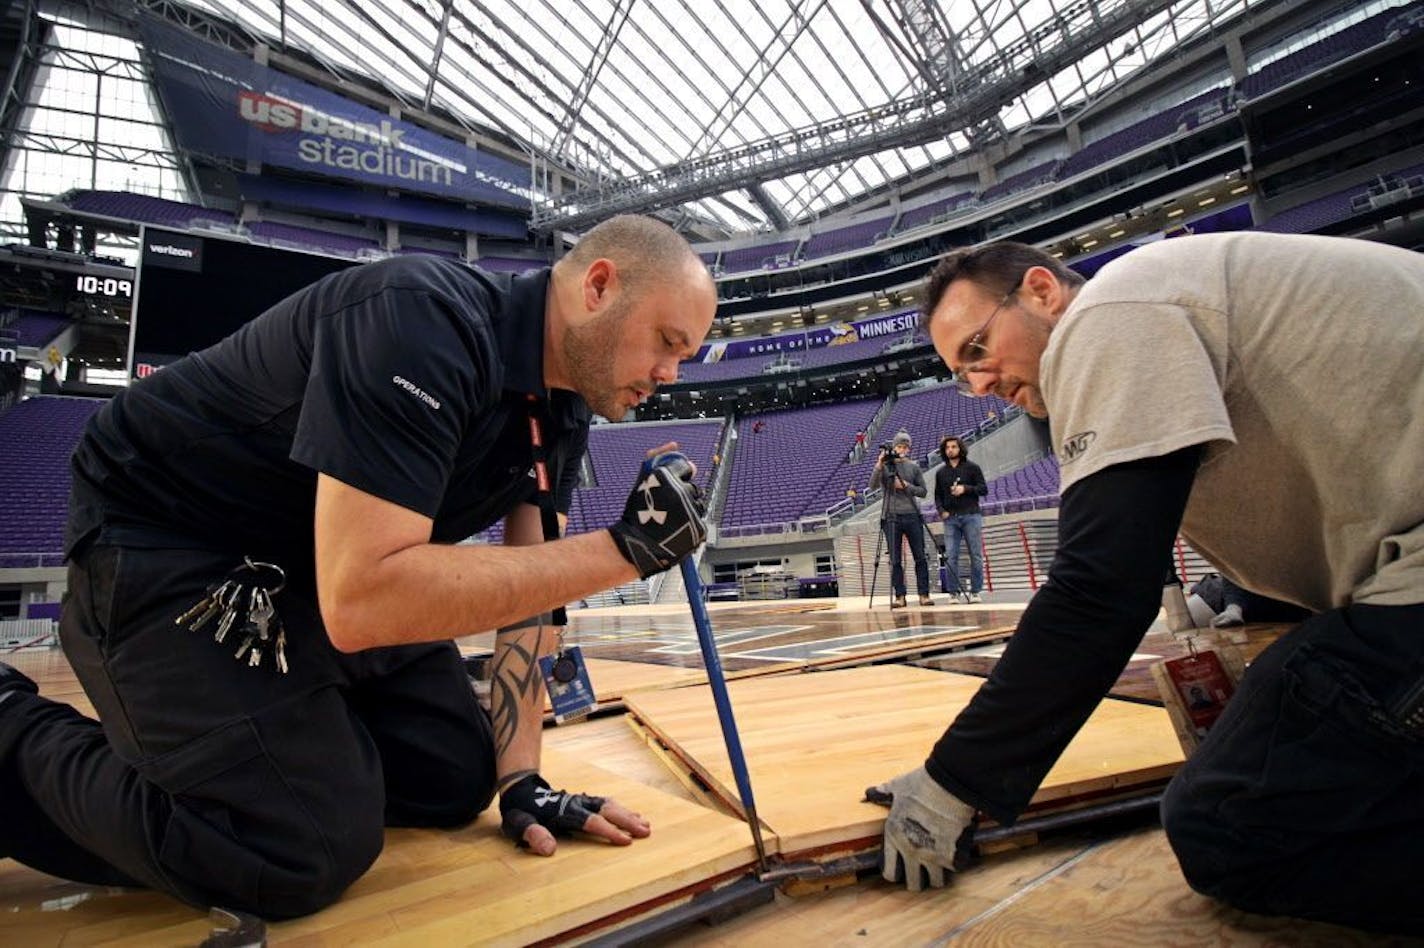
(516, 677)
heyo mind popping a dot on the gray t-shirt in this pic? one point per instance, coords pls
(1299, 362)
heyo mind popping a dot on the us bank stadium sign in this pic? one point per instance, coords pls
(223, 104)
(336, 144)
(9, 356)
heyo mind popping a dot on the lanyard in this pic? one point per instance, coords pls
(548, 516)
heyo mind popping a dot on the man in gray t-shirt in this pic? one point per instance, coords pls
(1264, 394)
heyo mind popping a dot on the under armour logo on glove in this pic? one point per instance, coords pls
(531, 800)
(662, 520)
(651, 512)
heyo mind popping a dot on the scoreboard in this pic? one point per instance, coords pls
(54, 280)
(194, 289)
(107, 287)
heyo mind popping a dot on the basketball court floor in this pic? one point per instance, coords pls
(830, 696)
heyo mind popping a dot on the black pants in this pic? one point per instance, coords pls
(912, 528)
(223, 784)
(1307, 797)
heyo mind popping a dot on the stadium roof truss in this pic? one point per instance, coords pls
(747, 114)
(751, 113)
(742, 115)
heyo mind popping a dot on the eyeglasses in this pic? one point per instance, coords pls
(974, 350)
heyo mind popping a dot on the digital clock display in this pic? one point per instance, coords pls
(104, 286)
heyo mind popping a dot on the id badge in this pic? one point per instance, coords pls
(566, 678)
(1204, 687)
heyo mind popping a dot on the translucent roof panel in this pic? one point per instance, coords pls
(618, 88)
(88, 119)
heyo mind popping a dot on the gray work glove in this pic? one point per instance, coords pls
(662, 520)
(923, 830)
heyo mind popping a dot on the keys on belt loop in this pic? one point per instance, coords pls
(244, 601)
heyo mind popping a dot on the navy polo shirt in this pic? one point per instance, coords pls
(407, 379)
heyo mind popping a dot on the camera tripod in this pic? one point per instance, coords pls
(885, 489)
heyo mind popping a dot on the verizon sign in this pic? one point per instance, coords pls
(174, 251)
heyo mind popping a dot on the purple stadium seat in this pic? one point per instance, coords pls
(31, 327)
(1380, 28)
(759, 257)
(1038, 174)
(509, 264)
(925, 213)
(141, 208)
(854, 237)
(1312, 215)
(1151, 129)
(781, 472)
(277, 232)
(38, 436)
(1033, 486)
(928, 416)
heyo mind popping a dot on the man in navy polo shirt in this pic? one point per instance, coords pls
(349, 436)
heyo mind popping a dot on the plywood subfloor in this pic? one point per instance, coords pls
(814, 742)
(1080, 890)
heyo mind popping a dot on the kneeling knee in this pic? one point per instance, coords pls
(1196, 836)
(318, 879)
(462, 800)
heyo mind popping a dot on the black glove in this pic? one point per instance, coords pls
(531, 800)
(662, 521)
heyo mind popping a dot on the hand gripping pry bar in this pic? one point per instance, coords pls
(710, 660)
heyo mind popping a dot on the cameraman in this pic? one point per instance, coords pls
(903, 483)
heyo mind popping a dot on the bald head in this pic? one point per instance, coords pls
(644, 251)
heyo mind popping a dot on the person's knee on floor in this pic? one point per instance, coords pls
(239, 834)
(308, 874)
(1197, 836)
(453, 800)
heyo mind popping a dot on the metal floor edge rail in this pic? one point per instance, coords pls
(751, 891)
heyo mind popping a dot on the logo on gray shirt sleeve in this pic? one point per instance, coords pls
(1075, 446)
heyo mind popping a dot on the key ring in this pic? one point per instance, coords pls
(257, 566)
